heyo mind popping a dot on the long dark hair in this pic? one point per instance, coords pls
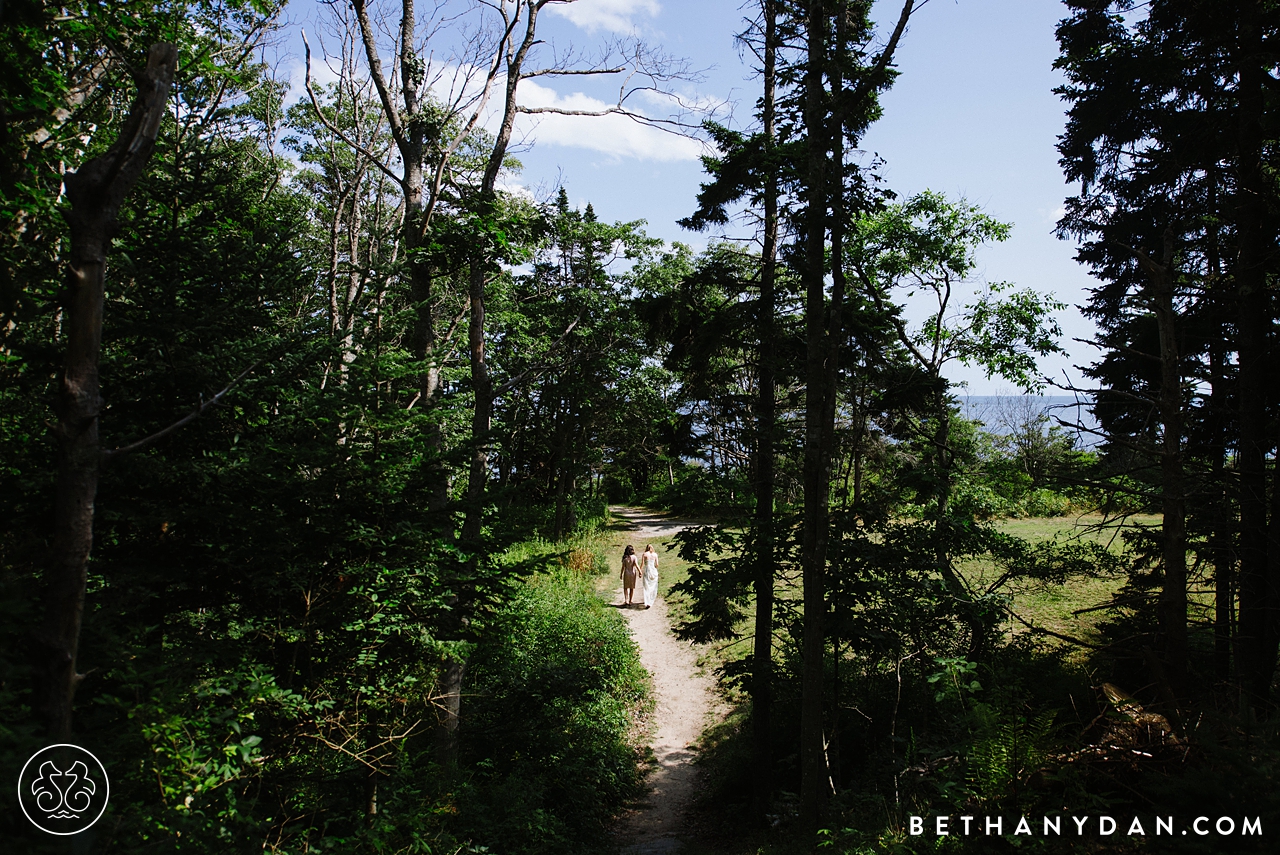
(630, 550)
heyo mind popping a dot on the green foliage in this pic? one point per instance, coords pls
(555, 697)
(1006, 750)
(276, 588)
(956, 677)
(718, 584)
(929, 244)
(695, 490)
(567, 323)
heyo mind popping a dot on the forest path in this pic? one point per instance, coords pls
(685, 701)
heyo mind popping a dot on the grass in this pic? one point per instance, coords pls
(1056, 607)
(1088, 527)
(1052, 607)
(614, 538)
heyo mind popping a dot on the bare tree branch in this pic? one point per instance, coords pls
(873, 78)
(566, 72)
(333, 129)
(108, 456)
(375, 71)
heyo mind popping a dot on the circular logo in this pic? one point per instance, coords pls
(63, 789)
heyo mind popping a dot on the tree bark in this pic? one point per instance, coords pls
(96, 191)
(481, 383)
(824, 122)
(446, 733)
(482, 408)
(1172, 606)
(766, 429)
(1256, 659)
(482, 412)
(422, 279)
(1220, 517)
(831, 366)
(813, 550)
(409, 132)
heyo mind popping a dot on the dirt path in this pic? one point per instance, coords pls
(685, 701)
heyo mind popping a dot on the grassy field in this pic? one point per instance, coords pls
(614, 538)
(1053, 607)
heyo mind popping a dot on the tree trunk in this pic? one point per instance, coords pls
(422, 291)
(482, 413)
(834, 336)
(1257, 639)
(422, 279)
(481, 416)
(561, 469)
(481, 383)
(1220, 521)
(813, 550)
(766, 428)
(482, 409)
(409, 132)
(1219, 536)
(978, 640)
(446, 734)
(355, 281)
(1173, 595)
(96, 192)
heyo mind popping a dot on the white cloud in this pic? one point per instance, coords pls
(614, 16)
(515, 188)
(615, 135)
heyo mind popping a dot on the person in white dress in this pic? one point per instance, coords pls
(649, 574)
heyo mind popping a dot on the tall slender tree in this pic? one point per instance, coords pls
(832, 85)
(96, 191)
(752, 166)
(1177, 220)
(841, 82)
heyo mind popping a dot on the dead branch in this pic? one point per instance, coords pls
(108, 456)
(333, 129)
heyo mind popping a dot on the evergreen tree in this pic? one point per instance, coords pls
(1175, 219)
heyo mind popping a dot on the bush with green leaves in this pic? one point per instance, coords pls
(553, 697)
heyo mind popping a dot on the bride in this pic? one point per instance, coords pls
(649, 573)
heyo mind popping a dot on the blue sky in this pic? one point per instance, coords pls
(972, 114)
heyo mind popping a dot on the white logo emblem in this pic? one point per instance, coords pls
(63, 789)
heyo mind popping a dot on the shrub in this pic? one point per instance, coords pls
(552, 699)
(1046, 503)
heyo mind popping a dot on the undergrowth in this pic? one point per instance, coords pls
(552, 697)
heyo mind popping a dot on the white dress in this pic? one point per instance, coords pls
(649, 561)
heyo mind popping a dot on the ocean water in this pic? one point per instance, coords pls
(1001, 413)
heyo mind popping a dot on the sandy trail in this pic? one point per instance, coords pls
(684, 698)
